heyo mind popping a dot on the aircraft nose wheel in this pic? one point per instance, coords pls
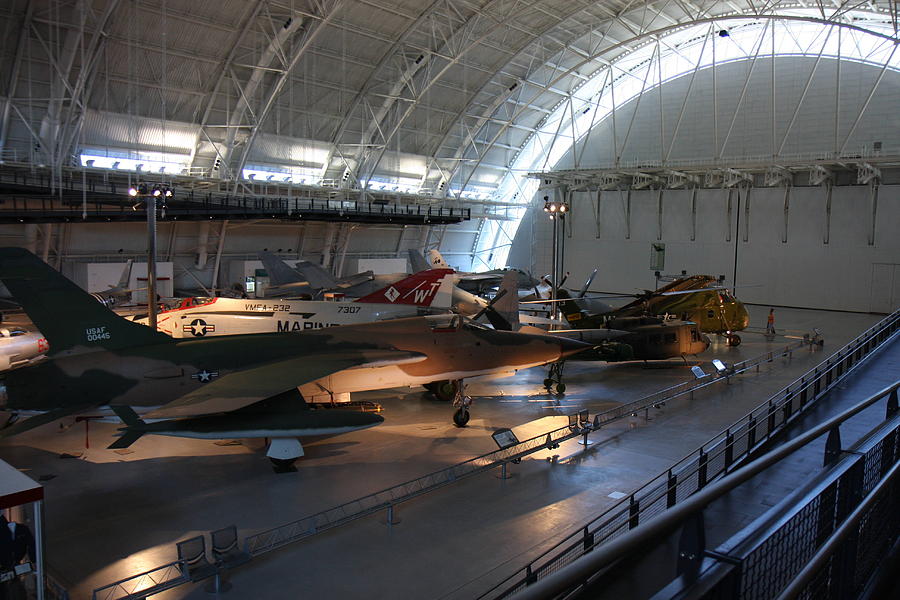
(462, 402)
(554, 379)
(733, 340)
(283, 465)
(461, 417)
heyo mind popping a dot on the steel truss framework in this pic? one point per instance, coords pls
(451, 98)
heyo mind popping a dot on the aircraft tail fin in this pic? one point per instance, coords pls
(508, 305)
(316, 275)
(417, 261)
(127, 439)
(279, 273)
(125, 279)
(437, 260)
(133, 426)
(433, 288)
(67, 315)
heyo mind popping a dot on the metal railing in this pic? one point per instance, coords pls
(582, 573)
(846, 562)
(713, 459)
(271, 539)
(277, 537)
(30, 192)
(138, 587)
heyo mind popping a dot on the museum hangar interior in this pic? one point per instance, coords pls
(449, 299)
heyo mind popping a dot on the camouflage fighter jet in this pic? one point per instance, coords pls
(240, 385)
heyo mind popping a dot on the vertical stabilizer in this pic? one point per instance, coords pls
(316, 275)
(279, 273)
(125, 279)
(433, 288)
(417, 261)
(508, 306)
(67, 315)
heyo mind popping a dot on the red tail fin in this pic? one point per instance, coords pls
(426, 288)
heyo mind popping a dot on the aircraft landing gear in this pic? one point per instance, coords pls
(461, 417)
(444, 390)
(554, 378)
(462, 402)
(733, 339)
(283, 452)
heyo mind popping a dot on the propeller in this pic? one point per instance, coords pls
(492, 312)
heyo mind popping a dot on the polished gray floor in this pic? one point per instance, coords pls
(112, 514)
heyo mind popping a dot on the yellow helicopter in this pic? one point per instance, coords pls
(698, 298)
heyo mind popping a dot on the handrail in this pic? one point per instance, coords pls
(602, 557)
(160, 579)
(276, 537)
(821, 557)
(723, 452)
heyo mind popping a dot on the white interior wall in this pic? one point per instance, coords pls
(115, 243)
(845, 274)
(804, 271)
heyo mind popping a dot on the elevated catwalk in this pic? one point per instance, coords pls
(112, 515)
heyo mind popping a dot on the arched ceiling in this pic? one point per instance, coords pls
(439, 96)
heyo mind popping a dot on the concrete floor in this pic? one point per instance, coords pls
(110, 515)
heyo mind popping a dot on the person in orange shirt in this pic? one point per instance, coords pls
(770, 323)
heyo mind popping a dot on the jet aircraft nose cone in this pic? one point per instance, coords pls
(568, 347)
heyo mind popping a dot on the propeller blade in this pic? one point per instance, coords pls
(489, 305)
(587, 284)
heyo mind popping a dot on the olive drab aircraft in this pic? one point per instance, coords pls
(201, 317)
(243, 386)
(698, 298)
(618, 339)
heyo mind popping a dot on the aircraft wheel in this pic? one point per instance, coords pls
(734, 340)
(548, 383)
(446, 390)
(283, 465)
(560, 388)
(461, 417)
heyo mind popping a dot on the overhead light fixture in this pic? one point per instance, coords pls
(723, 33)
(132, 191)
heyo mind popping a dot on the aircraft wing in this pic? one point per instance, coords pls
(243, 388)
(43, 419)
(481, 277)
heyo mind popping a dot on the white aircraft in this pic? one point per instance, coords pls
(19, 347)
(116, 293)
(428, 291)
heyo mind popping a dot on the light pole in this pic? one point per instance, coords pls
(151, 198)
(557, 212)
